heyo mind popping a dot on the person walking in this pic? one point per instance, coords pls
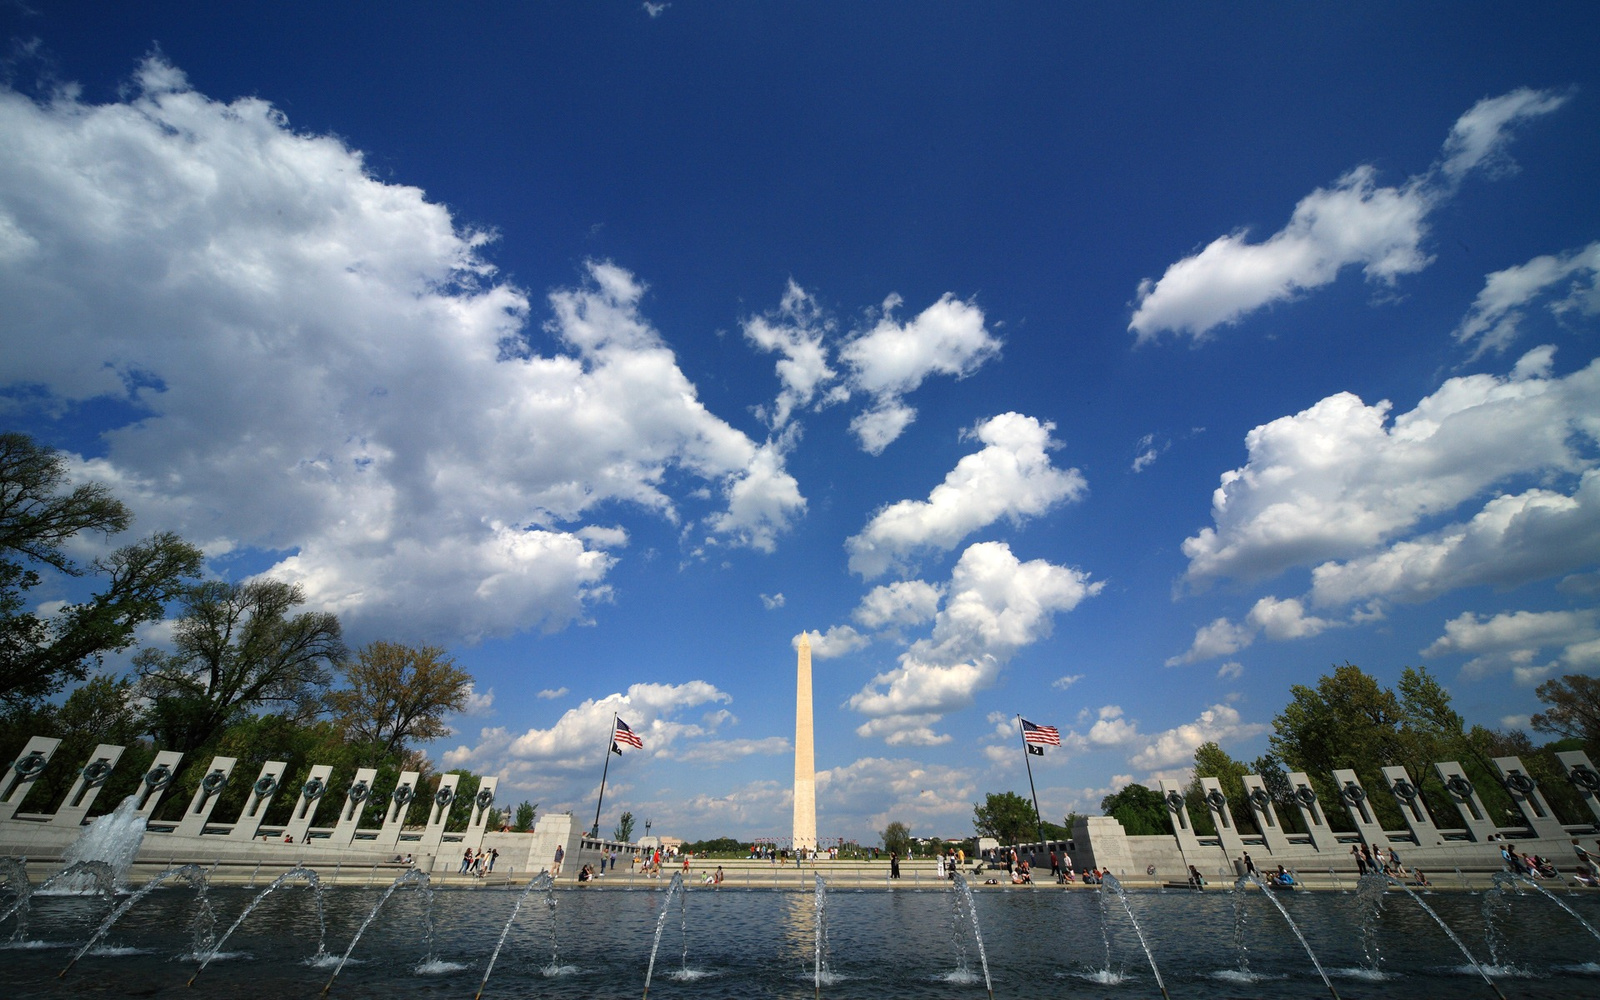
(894, 864)
(555, 869)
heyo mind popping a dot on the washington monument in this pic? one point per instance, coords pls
(805, 765)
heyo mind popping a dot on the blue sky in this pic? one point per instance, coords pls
(1121, 368)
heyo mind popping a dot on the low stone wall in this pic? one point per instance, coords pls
(202, 837)
(1468, 841)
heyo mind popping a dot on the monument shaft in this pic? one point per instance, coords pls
(805, 765)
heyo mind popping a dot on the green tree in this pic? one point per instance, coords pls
(1005, 816)
(38, 518)
(397, 695)
(1271, 771)
(1211, 761)
(624, 830)
(897, 838)
(256, 739)
(1350, 721)
(236, 649)
(1140, 810)
(1574, 710)
(1055, 831)
(523, 822)
(1347, 717)
(718, 846)
(461, 808)
(102, 710)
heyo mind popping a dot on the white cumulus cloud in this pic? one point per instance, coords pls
(1217, 724)
(1011, 477)
(1530, 645)
(571, 742)
(903, 603)
(995, 604)
(1515, 538)
(892, 359)
(325, 365)
(880, 364)
(837, 641)
(1497, 314)
(1280, 619)
(1341, 478)
(797, 330)
(1354, 222)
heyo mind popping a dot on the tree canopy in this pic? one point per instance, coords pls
(39, 655)
(624, 830)
(36, 517)
(397, 696)
(236, 649)
(1140, 810)
(1574, 710)
(897, 838)
(1005, 816)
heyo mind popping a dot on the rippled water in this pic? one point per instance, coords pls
(760, 944)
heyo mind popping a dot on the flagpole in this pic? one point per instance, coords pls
(595, 833)
(1038, 823)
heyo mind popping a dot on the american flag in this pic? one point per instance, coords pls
(628, 736)
(1049, 736)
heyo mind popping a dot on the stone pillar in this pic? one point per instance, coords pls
(478, 825)
(439, 812)
(255, 807)
(344, 830)
(399, 804)
(205, 798)
(805, 766)
(1409, 798)
(1525, 793)
(1222, 816)
(1584, 777)
(24, 771)
(312, 792)
(1361, 812)
(1473, 814)
(91, 778)
(1102, 842)
(551, 830)
(156, 781)
(1182, 828)
(1266, 816)
(1305, 799)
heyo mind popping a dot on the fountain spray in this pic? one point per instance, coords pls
(415, 876)
(1449, 933)
(675, 886)
(1109, 881)
(193, 874)
(543, 882)
(1293, 927)
(297, 872)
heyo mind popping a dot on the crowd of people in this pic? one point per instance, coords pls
(1377, 861)
(782, 855)
(480, 863)
(1020, 869)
